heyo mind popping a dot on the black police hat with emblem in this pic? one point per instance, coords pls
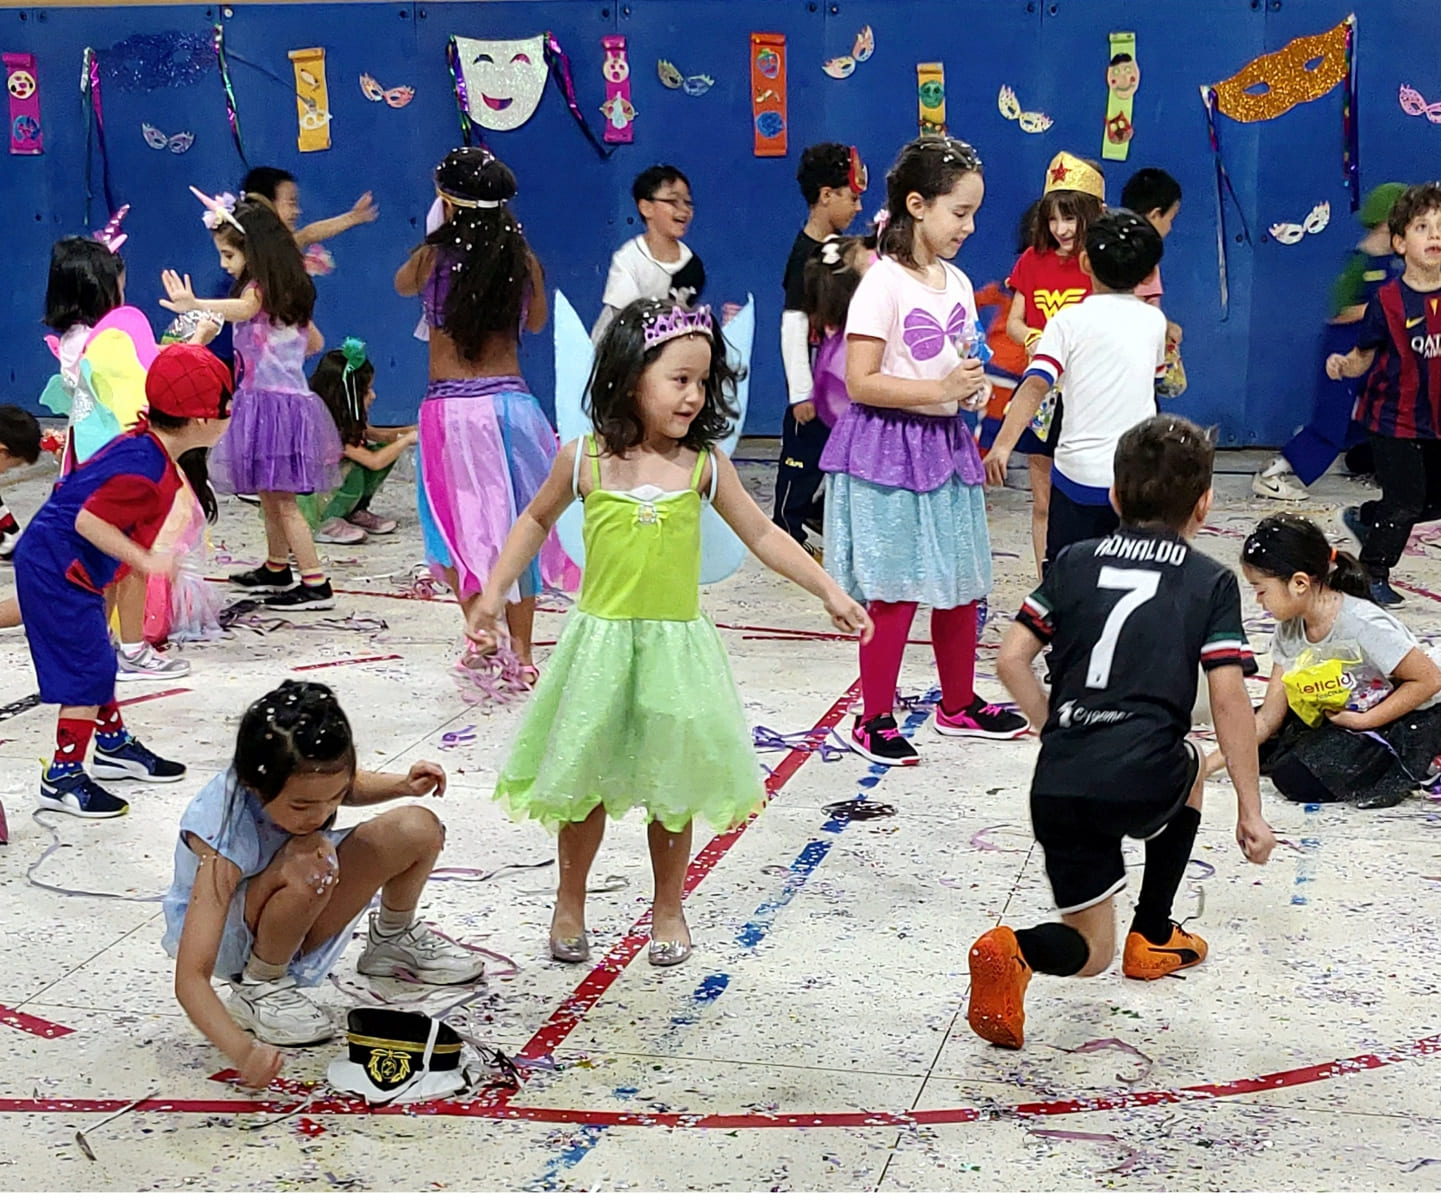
(398, 1057)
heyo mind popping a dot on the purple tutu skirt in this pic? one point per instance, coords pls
(898, 449)
(485, 450)
(277, 441)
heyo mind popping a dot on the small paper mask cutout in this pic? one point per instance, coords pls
(157, 140)
(692, 85)
(1413, 104)
(1316, 220)
(844, 66)
(504, 80)
(1030, 122)
(396, 97)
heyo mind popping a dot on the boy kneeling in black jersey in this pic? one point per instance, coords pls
(1129, 617)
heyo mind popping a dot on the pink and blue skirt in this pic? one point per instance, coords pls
(485, 450)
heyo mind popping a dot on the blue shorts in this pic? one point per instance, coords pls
(66, 627)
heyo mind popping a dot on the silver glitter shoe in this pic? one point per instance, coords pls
(570, 949)
(669, 954)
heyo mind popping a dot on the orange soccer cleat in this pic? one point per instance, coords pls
(1144, 959)
(999, 975)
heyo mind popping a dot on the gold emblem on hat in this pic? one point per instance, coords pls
(388, 1066)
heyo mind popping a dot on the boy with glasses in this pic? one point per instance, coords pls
(657, 265)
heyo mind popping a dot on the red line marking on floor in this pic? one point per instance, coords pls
(1415, 590)
(347, 662)
(152, 696)
(559, 1025)
(28, 1024)
(495, 1109)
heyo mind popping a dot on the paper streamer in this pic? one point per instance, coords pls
(1303, 70)
(768, 94)
(94, 130)
(1123, 78)
(931, 94)
(232, 114)
(618, 110)
(1223, 187)
(23, 84)
(312, 99)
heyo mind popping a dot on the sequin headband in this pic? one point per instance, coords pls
(110, 237)
(463, 202)
(677, 322)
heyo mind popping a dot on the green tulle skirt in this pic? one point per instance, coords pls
(634, 714)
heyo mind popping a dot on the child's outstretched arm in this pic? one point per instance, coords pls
(1236, 731)
(181, 298)
(362, 213)
(1016, 327)
(1417, 679)
(376, 787)
(1013, 667)
(781, 552)
(1269, 719)
(866, 384)
(526, 538)
(216, 880)
(1025, 403)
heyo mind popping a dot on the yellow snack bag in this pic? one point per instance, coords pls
(1315, 686)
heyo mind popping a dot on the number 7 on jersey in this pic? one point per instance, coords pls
(1137, 587)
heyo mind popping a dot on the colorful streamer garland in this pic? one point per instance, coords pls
(94, 131)
(232, 114)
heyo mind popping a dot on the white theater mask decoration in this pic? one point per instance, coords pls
(504, 80)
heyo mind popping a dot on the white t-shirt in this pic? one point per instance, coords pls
(919, 324)
(1365, 645)
(636, 274)
(1106, 354)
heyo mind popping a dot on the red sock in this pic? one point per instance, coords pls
(109, 728)
(881, 659)
(72, 741)
(953, 638)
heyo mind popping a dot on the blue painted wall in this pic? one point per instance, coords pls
(1252, 373)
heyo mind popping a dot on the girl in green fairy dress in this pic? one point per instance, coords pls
(637, 707)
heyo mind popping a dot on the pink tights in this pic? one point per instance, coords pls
(953, 637)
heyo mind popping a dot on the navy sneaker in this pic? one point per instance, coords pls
(303, 597)
(1383, 594)
(74, 792)
(262, 579)
(131, 760)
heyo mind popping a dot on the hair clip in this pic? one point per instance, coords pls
(677, 322)
(110, 237)
(217, 209)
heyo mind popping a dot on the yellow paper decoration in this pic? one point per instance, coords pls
(312, 98)
(931, 93)
(1284, 77)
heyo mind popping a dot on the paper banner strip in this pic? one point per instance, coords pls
(618, 110)
(768, 94)
(232, 114)
(1303, 70)
(23, 85)
(931, 94)
(1123, 78)
(312, 99)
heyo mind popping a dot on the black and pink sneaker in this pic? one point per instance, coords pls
(881, 741)
(981, 720)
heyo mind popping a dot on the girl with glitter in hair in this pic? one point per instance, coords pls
(638, 709)
(485, 445)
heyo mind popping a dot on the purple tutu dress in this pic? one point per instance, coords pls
(485, 449)
(281, 436)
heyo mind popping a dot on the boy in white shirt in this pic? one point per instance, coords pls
(1111, 348)
(656, 265)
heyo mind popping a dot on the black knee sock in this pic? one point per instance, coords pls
(1166, 857)
(1053, 948)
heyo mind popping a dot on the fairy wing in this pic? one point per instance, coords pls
(109, 393)
(722, 553)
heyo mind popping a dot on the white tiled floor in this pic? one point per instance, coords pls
(825, 1001)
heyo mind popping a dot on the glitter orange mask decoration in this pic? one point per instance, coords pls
(1302, 70)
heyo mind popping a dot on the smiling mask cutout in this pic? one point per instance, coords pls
(504, 80)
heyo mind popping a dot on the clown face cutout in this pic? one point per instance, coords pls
(504, 80)
(615, 69)
(1123, 76)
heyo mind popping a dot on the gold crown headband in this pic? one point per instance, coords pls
(1068, 173)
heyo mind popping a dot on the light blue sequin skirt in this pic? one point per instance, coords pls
(885, 543)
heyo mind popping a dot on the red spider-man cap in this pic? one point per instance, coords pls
(188, 381)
